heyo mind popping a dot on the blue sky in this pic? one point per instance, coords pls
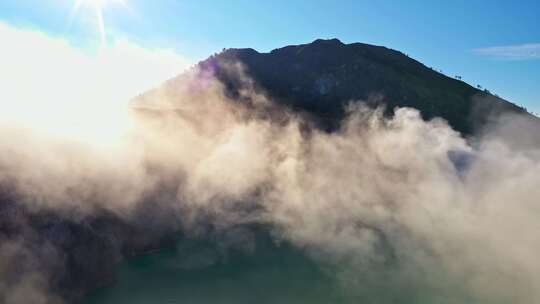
(492, 43)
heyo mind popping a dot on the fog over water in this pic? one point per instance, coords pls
(383, 210)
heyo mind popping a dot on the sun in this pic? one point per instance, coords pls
(98, 6)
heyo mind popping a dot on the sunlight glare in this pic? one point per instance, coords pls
(69, 94)
(98, 6)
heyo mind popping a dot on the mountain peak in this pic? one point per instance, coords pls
(333, 41)
(323, 76)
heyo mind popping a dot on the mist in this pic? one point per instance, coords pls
(394, 207)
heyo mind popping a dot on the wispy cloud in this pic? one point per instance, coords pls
(529, 51)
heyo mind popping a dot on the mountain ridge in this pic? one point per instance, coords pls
(321, 77)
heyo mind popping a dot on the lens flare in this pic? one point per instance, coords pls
(98, 6)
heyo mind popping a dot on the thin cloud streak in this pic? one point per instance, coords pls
(528, 51)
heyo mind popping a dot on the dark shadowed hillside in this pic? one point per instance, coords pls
(322, 76)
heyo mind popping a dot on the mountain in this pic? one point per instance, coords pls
(323, 76)
(78, 253)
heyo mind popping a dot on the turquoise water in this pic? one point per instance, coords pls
(202, 273)
(199, 272)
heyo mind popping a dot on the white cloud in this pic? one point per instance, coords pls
(50, 85)
(512, 52)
